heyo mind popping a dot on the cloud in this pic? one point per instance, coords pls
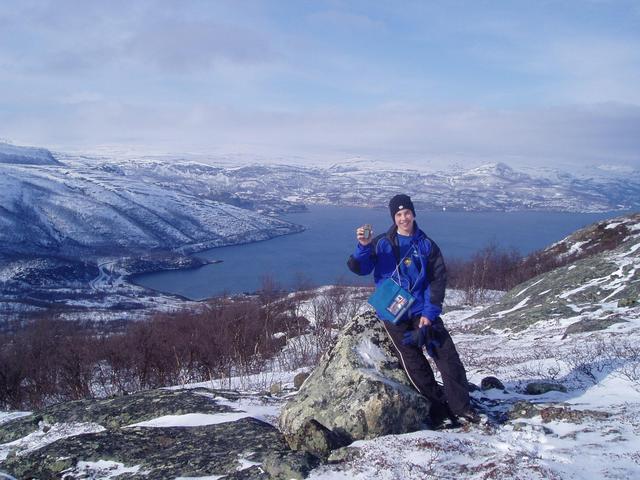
(75, 37)
(569, 136)
(346, 20)
(178, 46)
(82, 97)
(593, 69)
(326, 79)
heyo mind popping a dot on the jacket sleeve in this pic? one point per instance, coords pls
(362, 261)
(437, 283)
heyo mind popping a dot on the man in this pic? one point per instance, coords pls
(415, 262)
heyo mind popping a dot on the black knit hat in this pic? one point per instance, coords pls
(400, 202)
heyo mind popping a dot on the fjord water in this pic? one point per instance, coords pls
(319, 253)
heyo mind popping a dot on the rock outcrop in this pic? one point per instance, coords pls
(184, 433)
(359, 390)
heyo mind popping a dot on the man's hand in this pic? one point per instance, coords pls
(364, 234)
(424, 321)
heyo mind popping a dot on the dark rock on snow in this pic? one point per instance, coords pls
(523, 409)
(488, 383)
(315, 438)
(591, 325)
(566, 414)
(288, 465)
(628, 302)
(538, 388)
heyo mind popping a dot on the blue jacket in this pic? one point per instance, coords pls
(382, 256)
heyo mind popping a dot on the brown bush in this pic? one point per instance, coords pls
(51, 360)
(488, 269)
(47, 361)
(494, 268)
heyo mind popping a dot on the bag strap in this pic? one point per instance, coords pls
(397, 269)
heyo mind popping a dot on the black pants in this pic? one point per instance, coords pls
(455, 394)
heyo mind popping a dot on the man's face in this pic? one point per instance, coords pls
(404, 221)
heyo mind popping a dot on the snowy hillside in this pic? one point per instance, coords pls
(569, 406)
(25, 155)
(592, 291)
(57, 210)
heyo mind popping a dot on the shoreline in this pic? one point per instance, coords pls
(132, 277)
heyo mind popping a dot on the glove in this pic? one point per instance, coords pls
(415, 338)
(425, 336)
(433, 337)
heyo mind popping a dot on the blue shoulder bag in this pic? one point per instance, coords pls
(390, 300)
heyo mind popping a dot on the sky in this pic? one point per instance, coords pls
(427, 82)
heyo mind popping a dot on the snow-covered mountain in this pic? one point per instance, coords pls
(25, 155)
(98, 209)
(71, 233)
(491, 187)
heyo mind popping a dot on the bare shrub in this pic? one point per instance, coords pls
(628, 355)
(49, 361)
(12, 373)
(496, 268)
(331, 310)
(488, 269)
(589, 359)
(328, 311)
(539, 369)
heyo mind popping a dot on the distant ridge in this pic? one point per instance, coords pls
(26, 155)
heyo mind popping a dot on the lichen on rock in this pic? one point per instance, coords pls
(359, 390)
(235, 448)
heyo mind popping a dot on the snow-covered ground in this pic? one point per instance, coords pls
(603, 444)
(599, 447)
(594, 433)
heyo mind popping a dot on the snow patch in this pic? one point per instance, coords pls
(103, 469)
(209, 477)
(191, 420)
(42, 438)
(513, 309)
(8, 416)
(245, 464)
(527, 288)
(370, 353)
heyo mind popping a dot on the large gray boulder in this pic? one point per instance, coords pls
(358, 391)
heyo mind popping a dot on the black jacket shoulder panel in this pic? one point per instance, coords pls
(437, 274)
